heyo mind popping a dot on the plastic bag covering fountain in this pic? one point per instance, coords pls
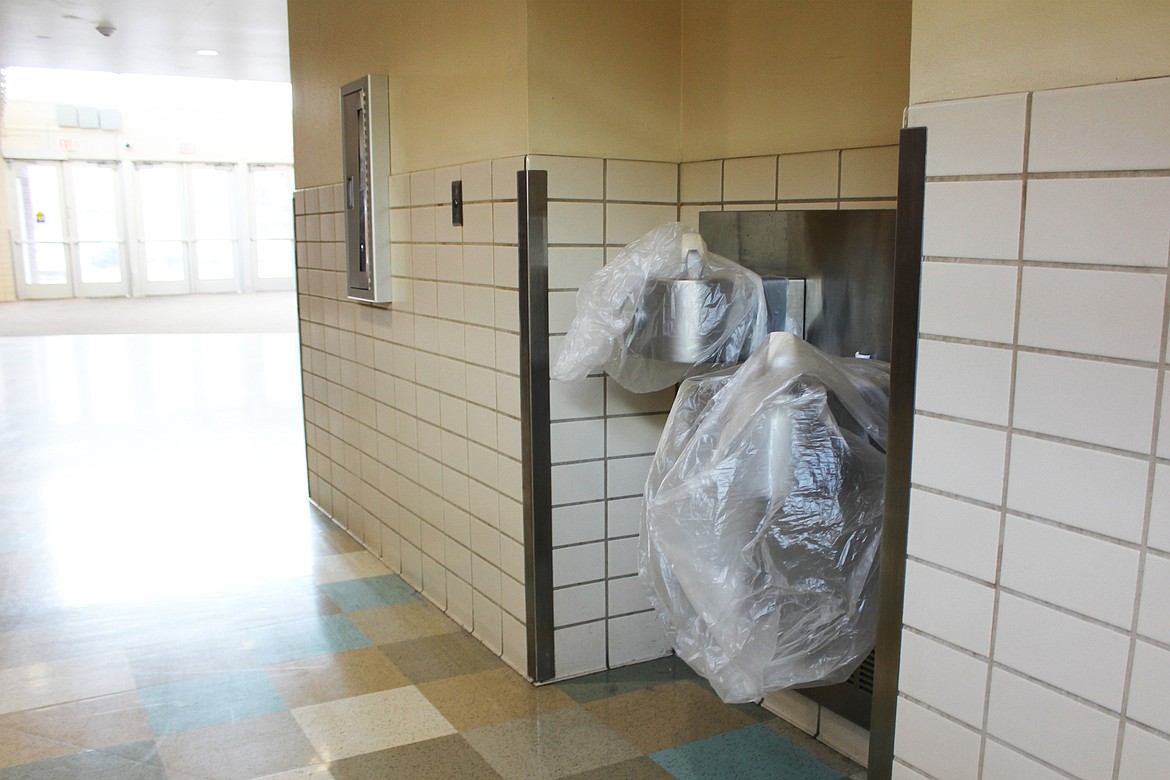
(762, 519)
(664, 309)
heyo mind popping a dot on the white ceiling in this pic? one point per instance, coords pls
(157, 37)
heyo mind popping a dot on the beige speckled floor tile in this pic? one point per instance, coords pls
(444, 758)
(34, 735)
(402, 622)
(445, 655)
(339, 675)
(56, 682)
(634, 769)
(348, 566)
(375, 721)
(667, 715)
(556, 744)
(235, 751)
(473, 700)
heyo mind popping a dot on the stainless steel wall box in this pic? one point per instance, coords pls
(365, 155)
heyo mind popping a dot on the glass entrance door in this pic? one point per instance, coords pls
(272, 227)
(98, 245)
(214, 250)
(162, 229)
(68, 238)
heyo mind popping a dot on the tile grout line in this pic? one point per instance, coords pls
(996, 587)
(1143, 550)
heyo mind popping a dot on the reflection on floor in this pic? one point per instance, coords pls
(171, 607)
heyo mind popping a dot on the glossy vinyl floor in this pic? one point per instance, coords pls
(172, 607)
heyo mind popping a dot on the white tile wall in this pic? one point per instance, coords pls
(944, 678)
(401, 432)
(973, 136)
(1058, 648)
(1114, 221)
(972, 219)
(1071, 584)
(1062, 731)
(1060, 309)
(1090, 489)
(1052, 564)
(1114, 127)
(937, 746)
(701, 182)
(749, 178)
(1087, 400)
(810, 176)
(968, 301)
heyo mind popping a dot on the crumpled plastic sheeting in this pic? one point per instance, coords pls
(762, 519)
(734, 319)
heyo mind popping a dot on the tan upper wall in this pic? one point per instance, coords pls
(967, 49)
(603, 78)
(764, 76)
(458, 79)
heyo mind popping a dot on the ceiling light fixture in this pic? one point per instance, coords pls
(207, 52)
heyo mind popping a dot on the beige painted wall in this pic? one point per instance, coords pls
(603, 78)
(967, 49)
(761, 77)
(458, 79)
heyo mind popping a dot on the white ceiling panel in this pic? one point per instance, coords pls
(157, 37)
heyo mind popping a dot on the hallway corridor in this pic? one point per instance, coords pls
(171, 606)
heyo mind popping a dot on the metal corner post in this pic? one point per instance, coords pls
(903, 369)
(535, 420)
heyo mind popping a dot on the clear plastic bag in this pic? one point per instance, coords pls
(762, 519)
(664, 309)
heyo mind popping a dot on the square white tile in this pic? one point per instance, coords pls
(871, 172)
(624, 516)
(643, 182)
(578, 523)
(1066, 652)
(422, 188)
(504, 172)
(1154, 615)
(944, 678)
(1090, 489)
(1077, 311)
(572, 178)
(968, 300)
(1143, 755)
(627, 594)
(577, 440)
(1022, 713)
(937, 745)
(580, 563)
(634, 638)
(578, 604)
(810, 176)
(562, 308)
(626, 222)
(477, 181)
(1102, 128)
(637, 435)
(579, 649)
(961, 380)
(701, 182)
(576, 223)
(1114, 221)
(949, 607)
(578, 482)
(1149, 688)
(973, 137)
(569, 267)
(1002, 763)
(583, 398)
(1050, 564)
(954, 534)
(1086, 400)
(627, 476)
(400, 190)
(972, 219)
(962, 459)
(622, 557)
(749, 178)
(478, 223)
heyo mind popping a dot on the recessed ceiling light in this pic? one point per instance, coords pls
(207, 52)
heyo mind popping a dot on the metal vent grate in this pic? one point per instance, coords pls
(862, 677)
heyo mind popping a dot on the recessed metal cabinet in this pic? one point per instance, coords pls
(365, 154)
